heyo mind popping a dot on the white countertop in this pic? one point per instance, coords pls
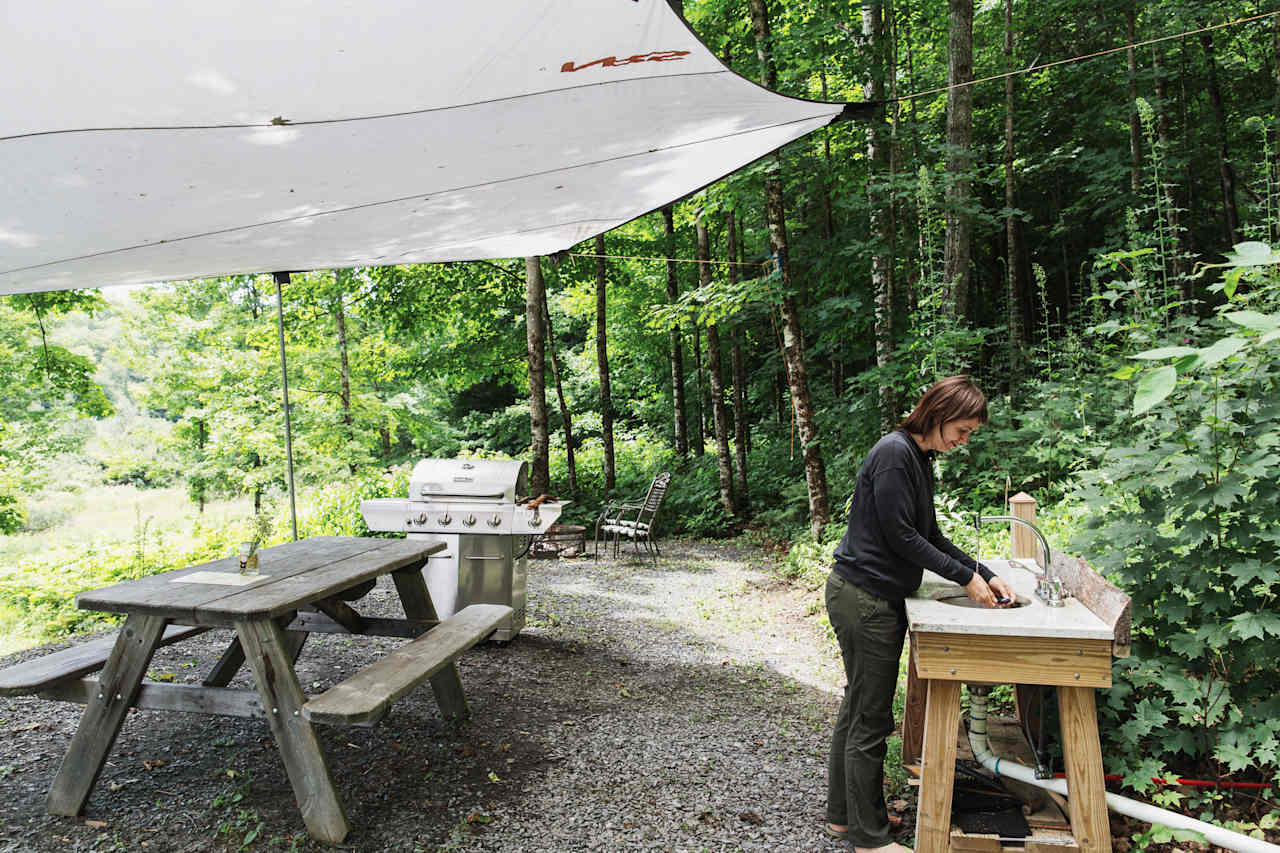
(1034, 619)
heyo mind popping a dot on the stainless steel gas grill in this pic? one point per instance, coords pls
(478, 508)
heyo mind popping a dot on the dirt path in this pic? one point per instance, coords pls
(683, 706)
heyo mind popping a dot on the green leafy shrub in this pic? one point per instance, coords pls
(1186, 517)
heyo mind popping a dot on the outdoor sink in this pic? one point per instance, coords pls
(960, 598)
(942, 607)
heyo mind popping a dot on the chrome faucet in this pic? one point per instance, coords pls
(1048, 584)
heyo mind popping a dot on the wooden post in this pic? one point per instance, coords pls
(1023, 506)
(1023, 543)
(913, 711)
(1082, 754)
(938, 767)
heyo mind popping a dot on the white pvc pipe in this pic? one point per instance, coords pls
(981, 747)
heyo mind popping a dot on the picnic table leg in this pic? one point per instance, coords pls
(269, 653)
(233, 658)
(227, 666)
(445, 684)
(104, 714)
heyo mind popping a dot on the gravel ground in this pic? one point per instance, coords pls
(682, 706)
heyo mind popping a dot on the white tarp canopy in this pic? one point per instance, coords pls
(154, 140)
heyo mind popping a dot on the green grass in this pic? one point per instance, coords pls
(104, 512)
(108, 534)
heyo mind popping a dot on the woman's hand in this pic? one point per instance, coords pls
(1002, 590)
(979, 591)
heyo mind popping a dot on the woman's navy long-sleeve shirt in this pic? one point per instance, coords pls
(893, 531)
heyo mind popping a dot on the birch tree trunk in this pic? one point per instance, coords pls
(716, 376)
(792, 334)
(677, 345)
(564, 408)
(875, 50)
(539, 444)
(956, 256)
(602, 366)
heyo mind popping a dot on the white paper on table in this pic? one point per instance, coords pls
(220, 578)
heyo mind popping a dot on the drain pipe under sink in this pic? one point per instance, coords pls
(982, 753)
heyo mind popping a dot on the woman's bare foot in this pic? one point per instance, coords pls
(888, 848)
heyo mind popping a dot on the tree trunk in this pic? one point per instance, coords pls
(828, 216)
(959, 138)
(1188, 174)
(740, 426)
(256, 462)
(384, 431)
(539, 444)
(1273, 227)
(1013, 265)
(721, 417)
(202, 436)
(895, 161)
(716, 375)
(564, 408)
(1135, 127)
(742, 259)
(764, 43)
(602, 365)
(340, 318)
(874, 49)
(1164, 138)
(699, 409)
(677, 345)
(1226, 171)
(815, 473)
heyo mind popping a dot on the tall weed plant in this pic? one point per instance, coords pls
(1186, 518)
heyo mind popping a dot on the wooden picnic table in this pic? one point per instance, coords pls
(299, 588)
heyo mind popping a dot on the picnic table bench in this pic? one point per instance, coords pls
(301, 588)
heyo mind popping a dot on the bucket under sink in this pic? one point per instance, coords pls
(959, 598)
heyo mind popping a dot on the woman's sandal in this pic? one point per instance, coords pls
(832, 832)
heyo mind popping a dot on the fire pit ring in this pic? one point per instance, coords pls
(560, 540)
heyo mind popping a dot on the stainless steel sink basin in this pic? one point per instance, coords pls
(960, 598)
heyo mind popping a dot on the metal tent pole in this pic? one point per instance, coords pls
(283, 278)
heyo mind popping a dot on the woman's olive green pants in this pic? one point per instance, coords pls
(870, 631)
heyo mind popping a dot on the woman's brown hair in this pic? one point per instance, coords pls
(952, 399)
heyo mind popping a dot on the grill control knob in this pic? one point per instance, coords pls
(495, 521)
(422, 518)
(535, 520)
(470, 520)
(445, 519)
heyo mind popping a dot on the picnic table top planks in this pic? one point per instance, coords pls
(292, 574)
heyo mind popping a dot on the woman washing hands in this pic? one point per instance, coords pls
(892, 537)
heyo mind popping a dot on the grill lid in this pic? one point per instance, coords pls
(502, 479)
